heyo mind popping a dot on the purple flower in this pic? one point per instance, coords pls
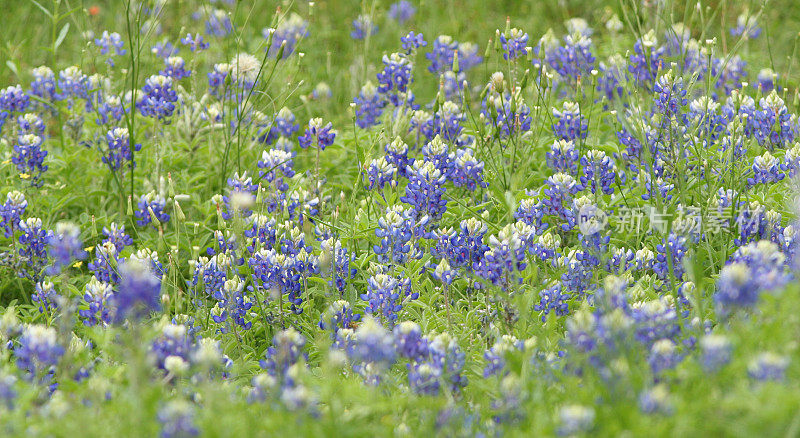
(401, 11)
(65, 245)
(413, 41)
(195, 42)
(317, 134)
(139, 291)
(363, 27)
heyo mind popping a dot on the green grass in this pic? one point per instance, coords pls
(190, 162)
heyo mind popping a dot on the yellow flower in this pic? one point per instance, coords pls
(24, 175)
(77, 264)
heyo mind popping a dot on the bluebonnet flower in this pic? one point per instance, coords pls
(444, 364)
(177, 420)
(369, 106)
(768, 366)
(234, 302)
(13, 99)
(462, 248)
(99, 301)
(715, 352)
(150, 258)
(363, 27)
(425, 190)
(746, 26)
(339, 315)
(149, 206)
(317, 134)
(663, 356)
(65, 245)
(409, 342)
(195, 42)
(553, 299)
(158, 98)
(175, 68)
(507, 113)
(468, 56)
(442, 55)
(578, 25)
(322, 91)
(116, 235)
(7, 392)
(599, 172)
(563, 157)
(496, 355)
(284, 123)
(655, 400)
(669, 255)
(767, 80)
(276, 167)
(578, 273)
(412, 41)
(109, 41)
(30, 123)
(670, 95)
(139, 291)
(514, 43)
(340, 262)
(401, 11)
(505, 259)
(11, 212)
(29, 157)
(119, 149)
(395, 78)
(164, 49)
(445, 123)
(173, 342)
(373, 344)
(380, 172)
(42, 86)
(791, 161)
(386, 296)
(438, 153)
(38, 351)
(467, 170)
(560, 190)
(573, 59)
(575, 419)
(646, 59)
(110, 109)
(286, 350)
(216, 79)
(397, 154)
(754, 268)
(453, 85)
(273, 271)
(104, 264)
(45, 296)
(773, 121)
(766, 169)
(242, 194)
(33, 248)
(395, 229)
(570, 124)
(288, 33)
(218, 23)
(73, 84)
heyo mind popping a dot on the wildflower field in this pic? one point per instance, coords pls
(399, 218)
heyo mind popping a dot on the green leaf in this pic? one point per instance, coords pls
(13, 67)
(46, 12)
(61, 35)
